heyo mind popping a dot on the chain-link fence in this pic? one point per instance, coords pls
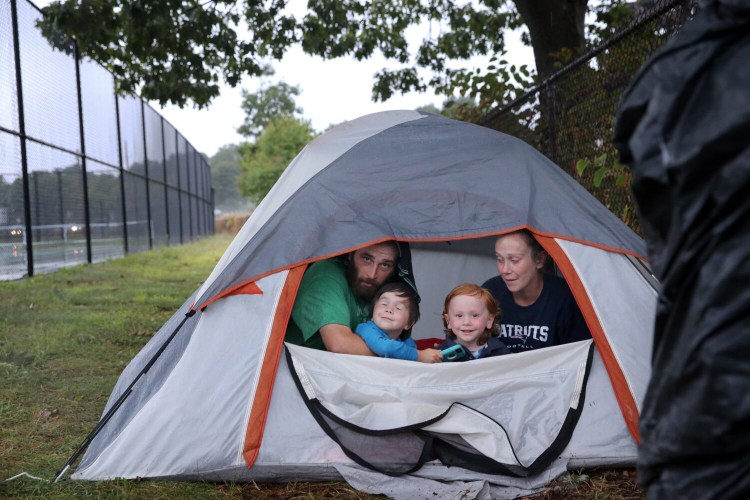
(85, 175)
(570, 116)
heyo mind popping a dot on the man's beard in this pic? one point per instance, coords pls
(358, 285)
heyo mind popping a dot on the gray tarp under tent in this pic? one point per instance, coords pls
(684, 127)
(216, 394)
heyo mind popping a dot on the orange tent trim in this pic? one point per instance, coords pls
(624, 397)
(269, 367)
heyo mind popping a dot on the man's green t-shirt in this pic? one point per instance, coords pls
(324, 298)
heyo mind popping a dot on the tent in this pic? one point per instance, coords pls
(217, 395)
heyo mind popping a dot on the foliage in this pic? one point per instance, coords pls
(179, 50)
(462, 108)
(230, 223)
(429, 108)
(269, 102)
(570, 118)
(172, 50)
(459, 108)
(586, 119)
(605, 167)
(609, 19)
(225, 172)
(265, 160)
(276, 136)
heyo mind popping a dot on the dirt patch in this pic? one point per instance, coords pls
(612, 484)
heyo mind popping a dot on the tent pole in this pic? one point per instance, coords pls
(107, 416)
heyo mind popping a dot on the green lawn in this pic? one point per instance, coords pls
(64, 339)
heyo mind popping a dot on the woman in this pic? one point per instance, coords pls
(538, 308)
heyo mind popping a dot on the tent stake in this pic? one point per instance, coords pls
(107, 416)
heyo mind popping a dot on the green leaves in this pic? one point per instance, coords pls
(269, 102)
(180, 50)
(175, 51)
(281, 140)
(581, 166)
(275, 133)
(169, 51)
(605, 167)
(225, 172)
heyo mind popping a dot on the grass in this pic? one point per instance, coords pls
(66, 336)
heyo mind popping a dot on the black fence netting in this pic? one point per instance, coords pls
(85, 175)
(570, 116)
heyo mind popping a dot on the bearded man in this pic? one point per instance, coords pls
(335, 295)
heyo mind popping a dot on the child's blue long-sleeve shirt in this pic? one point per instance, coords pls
(382, 345)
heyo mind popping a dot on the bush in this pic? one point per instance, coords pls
(230, 223)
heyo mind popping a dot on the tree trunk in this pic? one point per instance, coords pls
(553, 25)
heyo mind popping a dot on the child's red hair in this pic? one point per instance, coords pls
(490, 303)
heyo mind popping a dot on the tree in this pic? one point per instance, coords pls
(555, 28)
(269, 114)
(179, 50)
(225, 172)
(271, 101)
(266, 159)
(429, 108)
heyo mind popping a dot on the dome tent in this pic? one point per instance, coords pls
(222, 398)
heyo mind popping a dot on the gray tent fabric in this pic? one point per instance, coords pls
(423, 488)
(684, 127)
(152, 379)
(221, 403)
(358, 197)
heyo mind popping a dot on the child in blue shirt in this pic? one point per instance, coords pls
(388, 333)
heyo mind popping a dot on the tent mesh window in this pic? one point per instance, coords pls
(402, 451)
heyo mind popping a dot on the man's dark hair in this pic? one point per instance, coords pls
(403, 273)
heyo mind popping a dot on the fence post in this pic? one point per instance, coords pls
(60, 195)
(86, 207)
(122, 175)
(196, 188)
(212, 218)
(206, 195)
(22, 132)
(166, 189)
(179, 186)
(198, 198)
(189, 192)
(148, 182)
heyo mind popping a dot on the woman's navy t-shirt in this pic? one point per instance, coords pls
(553, 319)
